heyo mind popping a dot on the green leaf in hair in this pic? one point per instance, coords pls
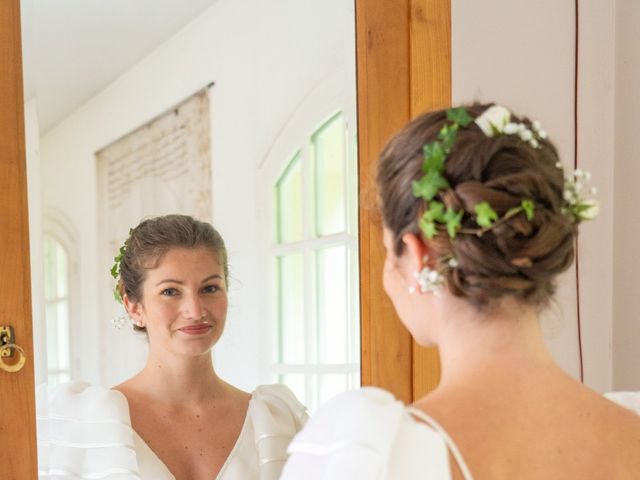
(429, 185)
(529, 208)
(434, 156)
(485, 215)
(453, 220)
(460, 116)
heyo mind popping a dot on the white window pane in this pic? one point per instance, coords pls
(64, 354)
(333, 328)
(291, 308)
(354, 380)
(49, 252)
(289, 203)
(62, 271)
(330, 385)
(329, 159)
(51, 317)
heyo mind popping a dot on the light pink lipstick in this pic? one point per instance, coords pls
(199, 329)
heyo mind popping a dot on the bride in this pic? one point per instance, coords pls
(479, 220)
(176, 419)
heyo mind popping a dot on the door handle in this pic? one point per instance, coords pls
(8, 349)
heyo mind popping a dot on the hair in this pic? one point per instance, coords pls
(519, 258)
(152, 238)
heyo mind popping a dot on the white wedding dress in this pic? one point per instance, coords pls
(84, 432)
(369, 435)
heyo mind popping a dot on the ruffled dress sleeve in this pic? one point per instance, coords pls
(85, 432)
(369, 435)
(274, 417)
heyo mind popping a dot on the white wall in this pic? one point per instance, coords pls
(264, 57)
(522, 54)
(516, 54)
(626, 216)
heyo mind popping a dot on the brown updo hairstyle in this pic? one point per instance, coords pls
(152, 238)
(518, 258)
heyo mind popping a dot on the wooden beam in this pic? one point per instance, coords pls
(17, 406)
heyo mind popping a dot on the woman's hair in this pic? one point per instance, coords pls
(518, 257)
(152, 238)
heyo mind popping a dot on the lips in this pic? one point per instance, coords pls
(199, 329)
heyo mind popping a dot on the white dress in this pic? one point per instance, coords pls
(369, 435)
(84, 432)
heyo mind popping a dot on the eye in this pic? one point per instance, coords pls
(210, 289)
(169, 292)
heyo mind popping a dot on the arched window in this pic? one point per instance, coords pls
(57, 311)
(316, 266)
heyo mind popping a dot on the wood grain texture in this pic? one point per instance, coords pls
(382, 46)
(17, 421)
(430, 39)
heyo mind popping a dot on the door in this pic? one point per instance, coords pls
(17, 405)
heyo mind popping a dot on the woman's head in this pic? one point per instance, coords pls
(519, 256)
(150, 241)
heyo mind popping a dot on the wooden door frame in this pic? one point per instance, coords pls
(403, 68)
(17, 397)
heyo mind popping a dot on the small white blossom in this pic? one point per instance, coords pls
(559, 165)
(525, 135)
(593, 191)
(511, 128)
(536, 125)
(534, 143)
(542, 134)
(453, 263)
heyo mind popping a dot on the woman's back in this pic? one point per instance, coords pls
(528, 428)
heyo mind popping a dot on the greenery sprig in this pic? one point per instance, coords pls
(116, 268)
(436, 217)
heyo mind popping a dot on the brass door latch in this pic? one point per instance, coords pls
(8, 349)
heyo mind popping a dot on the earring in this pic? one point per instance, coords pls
(428, 279)
(121, 321)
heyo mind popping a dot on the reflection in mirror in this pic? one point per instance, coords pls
(271, 162)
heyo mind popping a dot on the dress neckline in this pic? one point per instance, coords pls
(451, 445)
(227, 461)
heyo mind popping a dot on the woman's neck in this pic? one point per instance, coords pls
(504, 342)
(180, 380)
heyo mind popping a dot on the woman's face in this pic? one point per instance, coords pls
(184, 302)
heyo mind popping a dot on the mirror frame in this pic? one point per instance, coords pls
(403, 52)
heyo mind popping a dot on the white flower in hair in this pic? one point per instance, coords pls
(493, 120)
(589, 209)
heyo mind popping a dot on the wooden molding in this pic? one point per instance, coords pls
(17, 421)
(403, 68)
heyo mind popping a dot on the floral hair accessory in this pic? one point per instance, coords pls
(116, 268)
(494, 121)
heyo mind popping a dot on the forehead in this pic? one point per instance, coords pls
(187, 260)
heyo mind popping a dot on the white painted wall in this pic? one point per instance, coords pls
(264, 57)
(626, 216)
(522, 54)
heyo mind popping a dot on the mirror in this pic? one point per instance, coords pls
(239, 112)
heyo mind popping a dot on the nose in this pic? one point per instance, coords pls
(193, 307)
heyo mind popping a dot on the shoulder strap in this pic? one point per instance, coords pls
(453, 448)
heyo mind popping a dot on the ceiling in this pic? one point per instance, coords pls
(72, 49)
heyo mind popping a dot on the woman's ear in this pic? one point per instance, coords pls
(418, 252)
(134, 309)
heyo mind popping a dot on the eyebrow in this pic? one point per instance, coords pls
(171, 280)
